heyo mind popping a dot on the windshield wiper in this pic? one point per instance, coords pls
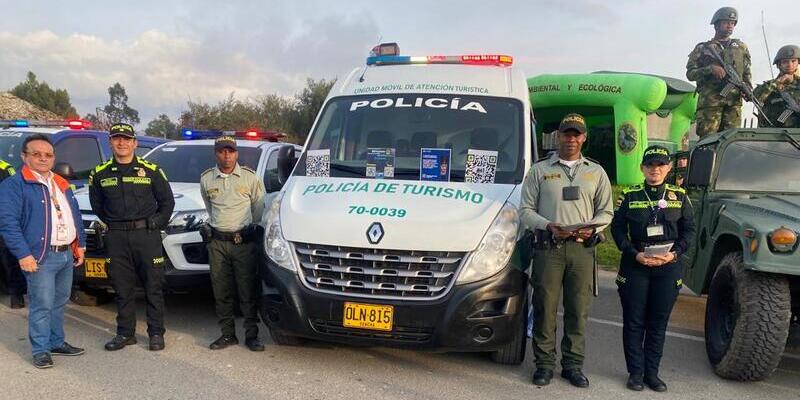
(344, 168)
(792, 140)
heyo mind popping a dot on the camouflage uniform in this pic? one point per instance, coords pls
(716, 113)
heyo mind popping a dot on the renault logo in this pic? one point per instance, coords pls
(375, 233)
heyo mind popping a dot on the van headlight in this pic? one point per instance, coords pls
(186, 221)
(275, 246)
(495, 249)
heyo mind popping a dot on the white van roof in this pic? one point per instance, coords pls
(478, 80)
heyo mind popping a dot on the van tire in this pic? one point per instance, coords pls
(90, 297)
(514, 352)
(747, 320)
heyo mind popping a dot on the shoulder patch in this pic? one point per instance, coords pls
(676, 188)
(631, 189)
(591, 160)
(147, 164)
(103, 165)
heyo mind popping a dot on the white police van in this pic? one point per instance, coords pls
(183, 162)
(399, 223)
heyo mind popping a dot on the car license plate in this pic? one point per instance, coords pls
(95, 268)
(368, 316)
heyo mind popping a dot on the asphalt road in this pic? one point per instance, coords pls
(188, 370)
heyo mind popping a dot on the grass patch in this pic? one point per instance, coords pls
(608, 255)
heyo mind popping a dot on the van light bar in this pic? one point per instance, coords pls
(16, 123)
(472, 59)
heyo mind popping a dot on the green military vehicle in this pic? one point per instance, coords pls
(745, 188)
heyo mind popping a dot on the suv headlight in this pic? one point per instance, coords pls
(275, 246)
(495, 249)
(186, 221)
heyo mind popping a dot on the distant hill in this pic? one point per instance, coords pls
(12, 107)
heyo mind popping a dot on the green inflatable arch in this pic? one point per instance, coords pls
(619, 108)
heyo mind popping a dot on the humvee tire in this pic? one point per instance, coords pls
(747, 320)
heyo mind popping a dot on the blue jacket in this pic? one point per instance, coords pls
(25, 214)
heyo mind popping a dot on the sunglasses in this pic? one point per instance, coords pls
(37, 154)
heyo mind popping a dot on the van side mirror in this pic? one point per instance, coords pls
(701, 165)
(286, 162)
(65, 170)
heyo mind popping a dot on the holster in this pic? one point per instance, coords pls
(542, 239)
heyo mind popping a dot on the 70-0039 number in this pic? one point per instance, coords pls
(378, 211)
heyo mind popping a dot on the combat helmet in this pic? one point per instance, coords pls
(729, 13)
(788, 51)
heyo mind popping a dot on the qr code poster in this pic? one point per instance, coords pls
(481, 166)
(318, 163)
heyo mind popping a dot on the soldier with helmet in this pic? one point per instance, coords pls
(719, 107)
(775, 93)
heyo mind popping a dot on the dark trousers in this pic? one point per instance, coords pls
(234, 269)
(13, 276)
(569, 267)
(137, 256)
(647, 296)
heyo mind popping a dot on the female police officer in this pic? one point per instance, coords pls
(652, 213)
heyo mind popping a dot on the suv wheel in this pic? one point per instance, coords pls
(747, 320)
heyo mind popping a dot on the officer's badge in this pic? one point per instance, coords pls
(212, 192)
(672, 196)
(141, 172)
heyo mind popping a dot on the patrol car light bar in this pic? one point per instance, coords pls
(70, 123)
(472, 59)
(251, 134)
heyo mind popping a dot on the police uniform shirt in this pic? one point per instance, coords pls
(130, 192)
(543, 191)
(638, 208)
(233, 200)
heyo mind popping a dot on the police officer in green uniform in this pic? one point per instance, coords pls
(566, 199)
(14, 278)
(648, 215)
(234, 198)
(133, 199)
(773, 93)
(719, 106)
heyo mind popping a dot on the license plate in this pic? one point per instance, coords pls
(95, 268)
(368, 316)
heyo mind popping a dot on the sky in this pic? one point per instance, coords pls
(168, 52)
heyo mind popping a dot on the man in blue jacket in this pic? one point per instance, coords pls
(41, 224)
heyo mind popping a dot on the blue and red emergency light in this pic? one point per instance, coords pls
(24, 123)
(250, 134)
(474, 59)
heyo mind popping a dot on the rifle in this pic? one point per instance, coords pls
(791, 106)
(736, 82)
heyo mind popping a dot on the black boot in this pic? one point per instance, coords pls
(655, 383)
(635, 382)
(542, 376)
(17, 301)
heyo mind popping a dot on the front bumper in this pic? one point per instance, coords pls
(480, 316)
(186, 262)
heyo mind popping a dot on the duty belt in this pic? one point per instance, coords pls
(237, 237)
(60, 248)
(128, 225)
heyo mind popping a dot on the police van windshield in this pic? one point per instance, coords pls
(778, 163)
(404, 136)
(187, 163)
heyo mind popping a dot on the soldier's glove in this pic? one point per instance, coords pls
(205, 233)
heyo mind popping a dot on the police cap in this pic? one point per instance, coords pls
(655, 154)
(122, 129)
(223, 142)
(572, 121)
